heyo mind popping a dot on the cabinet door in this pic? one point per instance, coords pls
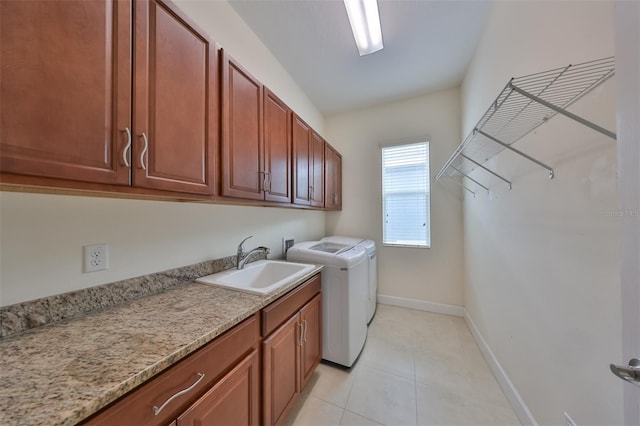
(329, 177)
(175, 103)
(234, 400)
(301, 135)
(242, 156)
(316, 174)
(65, 91)
(281, 370)
(311, 350)
(332, 178)
(277, 148)
(338, 180)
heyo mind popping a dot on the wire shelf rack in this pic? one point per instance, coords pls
(523, 105)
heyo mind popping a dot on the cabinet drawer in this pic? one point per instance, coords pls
(278, 312)
(213, 361)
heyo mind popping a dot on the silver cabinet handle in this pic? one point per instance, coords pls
(300, 341)
(304, 335)
(310, 192)
(265, 181)
(630, 373)
(335, 198)
(125, 158)
(156, 410)
(268, 177)
(144, 150)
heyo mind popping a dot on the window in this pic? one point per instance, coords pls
(405, 195)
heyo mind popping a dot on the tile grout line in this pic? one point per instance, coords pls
(364, 417)
(353, 382)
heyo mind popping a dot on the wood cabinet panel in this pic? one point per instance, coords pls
(332, 178)
(212, 360)
(277, 312)
(311, 349)
(175, 104)
(241, 132)
(301, 139)
(316, 173)
(65, 91)
(277, 148)
(233, 401)
(281, 366)
(292, 348)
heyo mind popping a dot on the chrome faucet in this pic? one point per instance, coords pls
(242, 257)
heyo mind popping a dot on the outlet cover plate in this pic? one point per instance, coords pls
(96, 257)
(287, 243)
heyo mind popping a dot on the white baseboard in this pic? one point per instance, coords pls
(421, 305)
(517, 403)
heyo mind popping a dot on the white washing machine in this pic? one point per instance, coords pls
(370, 247)
(344, 287)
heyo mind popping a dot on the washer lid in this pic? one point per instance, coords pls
(331, 247)
(345, 257)
(369, 245)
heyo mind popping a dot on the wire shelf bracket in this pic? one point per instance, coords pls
(523, 105)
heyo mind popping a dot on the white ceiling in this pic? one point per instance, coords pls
(428, 45)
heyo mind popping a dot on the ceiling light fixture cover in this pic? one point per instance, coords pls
(365, 24)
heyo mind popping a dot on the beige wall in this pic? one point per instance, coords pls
(542, 260)
(41, 236)
(432, 275)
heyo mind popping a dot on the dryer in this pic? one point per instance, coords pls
(344, 287)
(372, 279)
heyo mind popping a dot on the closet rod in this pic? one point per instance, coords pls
(484, 168)
(564, 112)
(470, 178)
(509, 147)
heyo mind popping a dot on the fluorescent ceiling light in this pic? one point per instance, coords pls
(365, 24)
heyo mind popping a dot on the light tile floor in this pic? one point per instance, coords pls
(417, 368)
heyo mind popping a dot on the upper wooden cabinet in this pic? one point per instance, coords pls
(316, 170)
(242, 147)
(65, 89)
(277, 148)
(256, 138)
(67, 94)
(175, 103)
(130, 96)
(308, 165)
(301, 135)
(332, 178)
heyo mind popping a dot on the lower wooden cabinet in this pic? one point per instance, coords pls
(226, 381)
(232, 401)
(291, 352)
(220, 379)
(281, 366)
(311, 349)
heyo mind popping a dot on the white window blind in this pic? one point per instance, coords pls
(405, 195)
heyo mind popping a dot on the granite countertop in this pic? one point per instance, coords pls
(64, 372)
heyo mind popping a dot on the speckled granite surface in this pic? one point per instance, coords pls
(64, 372)
(17, 318)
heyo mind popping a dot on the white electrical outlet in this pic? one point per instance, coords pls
(96, 257)
(568, 421)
